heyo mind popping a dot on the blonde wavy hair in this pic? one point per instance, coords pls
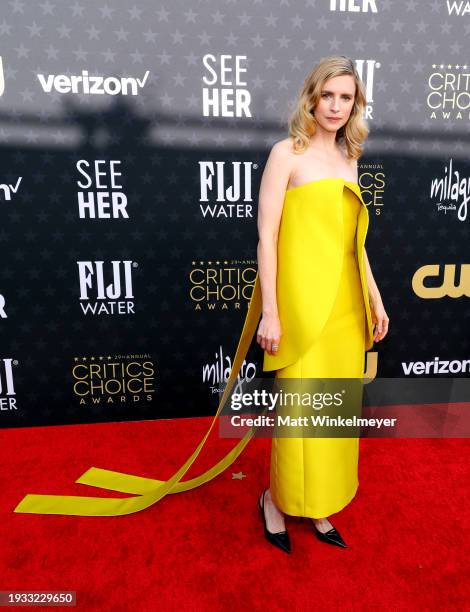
(302, 123)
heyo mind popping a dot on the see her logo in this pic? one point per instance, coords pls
(2, 79)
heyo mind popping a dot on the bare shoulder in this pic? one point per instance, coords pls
(281, 157)
(283, 148)
(276, 172)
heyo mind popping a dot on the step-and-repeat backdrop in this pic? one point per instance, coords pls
(133, 140)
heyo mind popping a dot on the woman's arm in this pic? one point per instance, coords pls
(270, 202)
(379, 316)
(374, 293)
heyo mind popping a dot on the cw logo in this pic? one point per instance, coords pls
(447, 285)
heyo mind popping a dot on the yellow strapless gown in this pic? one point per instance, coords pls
(316, 477)
(326, 322)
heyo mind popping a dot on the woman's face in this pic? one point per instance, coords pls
(336, 102)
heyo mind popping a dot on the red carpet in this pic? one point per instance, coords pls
(407, 527)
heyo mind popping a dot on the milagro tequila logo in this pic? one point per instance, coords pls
(91, 85)
(227, 189)
(7, 385)
(451, 192)
(449, 87)
(99, 298)
(227, 95)
(8, 189)
(218, 372)
(103, 198)
(354, 6)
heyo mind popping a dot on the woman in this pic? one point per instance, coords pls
(317, 312)
(317, 301)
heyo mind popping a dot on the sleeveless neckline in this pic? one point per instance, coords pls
(331, 178)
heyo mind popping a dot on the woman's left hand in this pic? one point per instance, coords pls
(379, 319)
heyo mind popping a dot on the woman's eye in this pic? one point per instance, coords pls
(345, 97)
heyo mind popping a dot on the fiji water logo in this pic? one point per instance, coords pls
(7, 385)
(98, 296)
(226, 189)
(366, 70)
(458, 8)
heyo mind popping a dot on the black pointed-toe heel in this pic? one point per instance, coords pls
(280, 538)
(330, 537)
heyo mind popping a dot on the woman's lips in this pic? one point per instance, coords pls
(334, 118)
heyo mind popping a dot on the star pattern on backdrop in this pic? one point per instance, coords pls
(160, 136)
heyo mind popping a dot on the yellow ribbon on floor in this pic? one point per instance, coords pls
(148, 491)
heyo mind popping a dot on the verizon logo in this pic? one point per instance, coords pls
(91, 85)
(8, 188)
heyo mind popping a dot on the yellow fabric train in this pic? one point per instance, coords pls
(315, 253)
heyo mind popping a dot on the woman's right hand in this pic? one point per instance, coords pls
(269, 333)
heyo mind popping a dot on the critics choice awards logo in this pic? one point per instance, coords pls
(221, 284)
(7, 385)
(111, 380)
(448, 92)
(372, 184)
